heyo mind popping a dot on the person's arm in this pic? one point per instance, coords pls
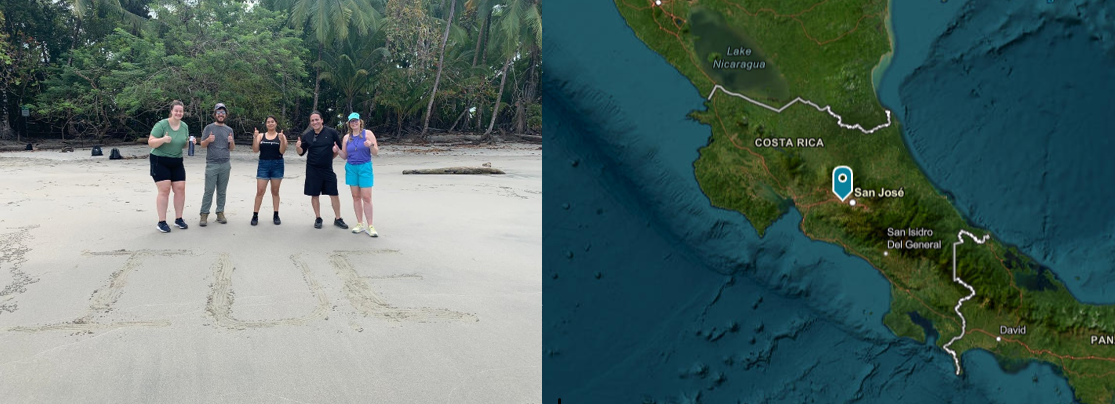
(375, 143)
(344, 143)
(187, 134)
(337, 145)
(155, 142)
(282, 143)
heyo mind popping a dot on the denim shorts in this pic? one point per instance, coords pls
(270, 170)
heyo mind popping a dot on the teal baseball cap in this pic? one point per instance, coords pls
(353, 116)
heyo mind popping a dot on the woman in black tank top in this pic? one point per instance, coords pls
(270, 146)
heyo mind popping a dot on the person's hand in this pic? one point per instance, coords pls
(368, 142)
(299, 144)
(230, 138)
(167, 138)
(282, 137)
(211, 138)
(336, 149)
(257, 135)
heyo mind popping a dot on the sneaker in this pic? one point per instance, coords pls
(163, 227)
(255, 220)
(277, 221)
(340, 223)
(372, 231)
(204, 220)
(317, 223)
(359, 228)
(180, 223)
(221, 218)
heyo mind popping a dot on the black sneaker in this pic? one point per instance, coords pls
(277, 221)
(340, 223)
(317, 223)
(180, 223)
(255, 220)
(163, 227)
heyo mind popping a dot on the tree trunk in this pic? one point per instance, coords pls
(5, 126)
(462, 115)
(73, 44)
(479, 117)
(499, 95)
(520, 116)
(317, 79)
(284, 115)
(440, 64)
(399, 125)
(479, 38)
(528, 94)
(487, 38)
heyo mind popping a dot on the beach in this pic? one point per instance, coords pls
(444, 306)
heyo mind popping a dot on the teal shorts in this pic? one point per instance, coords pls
(359, 175)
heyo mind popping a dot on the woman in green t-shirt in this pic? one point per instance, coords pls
(167, 140)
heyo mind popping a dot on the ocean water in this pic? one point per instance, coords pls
(1023, 145)
(652, 295)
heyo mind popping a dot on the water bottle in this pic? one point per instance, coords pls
(191, 152)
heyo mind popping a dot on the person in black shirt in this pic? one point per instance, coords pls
(322, 144)
(270, 146)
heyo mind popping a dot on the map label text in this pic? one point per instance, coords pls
(880, 193)
(739, 51)
(788, 142)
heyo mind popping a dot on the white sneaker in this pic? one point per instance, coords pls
(372, 231)
(358, 229)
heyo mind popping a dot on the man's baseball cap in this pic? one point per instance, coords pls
(353, 116)
(220, 106)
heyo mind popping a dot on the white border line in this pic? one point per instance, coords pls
(839, 120)
(963, 323)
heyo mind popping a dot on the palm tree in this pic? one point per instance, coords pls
(352, 69)
(125, 10)
(520, 27)
(332, 20)
(484, 17)
(440, 64)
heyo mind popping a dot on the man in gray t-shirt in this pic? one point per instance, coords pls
(216, 138)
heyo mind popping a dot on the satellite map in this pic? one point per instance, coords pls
(829, 201)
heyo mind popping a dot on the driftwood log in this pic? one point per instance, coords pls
(456, 170)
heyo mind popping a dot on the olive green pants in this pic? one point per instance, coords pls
(216, 178)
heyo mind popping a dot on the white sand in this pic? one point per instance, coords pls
(445, 306)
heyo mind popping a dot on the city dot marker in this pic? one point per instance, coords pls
(842, 182)
(658, 2)
(886, 253)
(998, 339)
(852, 202)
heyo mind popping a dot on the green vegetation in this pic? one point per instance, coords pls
(95, 69)
(825, 53)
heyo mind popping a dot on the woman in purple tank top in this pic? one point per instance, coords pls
(359, 147)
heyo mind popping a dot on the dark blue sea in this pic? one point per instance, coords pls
(1024, 144)
(652, 295)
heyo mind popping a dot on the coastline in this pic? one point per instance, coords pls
(880, 69)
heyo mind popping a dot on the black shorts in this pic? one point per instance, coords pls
(320, 181)
(167, 168)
